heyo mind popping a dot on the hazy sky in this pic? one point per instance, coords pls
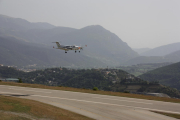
(139, 23)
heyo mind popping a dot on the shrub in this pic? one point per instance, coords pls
(126, 92)
(20, 81)
(95, 88)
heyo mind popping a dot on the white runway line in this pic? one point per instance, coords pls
(108, 104)
(11, 93)
(122, 100)
(29, 90)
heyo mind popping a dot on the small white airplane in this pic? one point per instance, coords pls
(68, 47)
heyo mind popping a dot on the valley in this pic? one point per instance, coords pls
(95, 59)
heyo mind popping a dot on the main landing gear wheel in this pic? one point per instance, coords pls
(65, 52)
(79, 51)
(75, 51)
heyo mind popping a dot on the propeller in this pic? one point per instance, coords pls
(83, 47)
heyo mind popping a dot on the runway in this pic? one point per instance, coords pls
(100, 107)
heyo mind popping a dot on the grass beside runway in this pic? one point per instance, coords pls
(8, 116)
(24, 109)
(93, 92)
(168, 114)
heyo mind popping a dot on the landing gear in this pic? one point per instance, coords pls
(79, 51)
(75, 51)
(65, 52)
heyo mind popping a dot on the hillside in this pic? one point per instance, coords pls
(175, 56)
(168, 75)
(18, 24)
(162, 50)
(172, 58)
(141, 50)
(103, 45)
(145, 60)
(140, 69)
(16, 52)
(103, 79)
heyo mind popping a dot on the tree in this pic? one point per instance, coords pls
(20, 81)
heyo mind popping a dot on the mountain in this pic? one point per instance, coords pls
(141, 50)
(162, 50)
(10, 23)
(172, 58)
(140, 69)
(16, 52)
(103, 45)
(175, 56)
(145, 60)
(168, 75)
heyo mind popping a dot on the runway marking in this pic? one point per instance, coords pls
(10, 93)
(108, 104)
(122, 100)
(29, 90)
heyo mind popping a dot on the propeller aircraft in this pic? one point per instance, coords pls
(68, 47)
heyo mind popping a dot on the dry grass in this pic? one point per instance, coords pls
(36, 109)
(169, 114)
(94, 92)
(7, 116)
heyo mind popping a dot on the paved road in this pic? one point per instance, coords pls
(100, 107)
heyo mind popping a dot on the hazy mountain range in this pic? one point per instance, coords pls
(103, 47)
(172, 57)
(13, 51)
(162, 50)
(141, 50)
(31, 42)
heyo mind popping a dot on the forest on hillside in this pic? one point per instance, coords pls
(167, 75)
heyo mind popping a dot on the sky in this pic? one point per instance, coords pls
(139, 23)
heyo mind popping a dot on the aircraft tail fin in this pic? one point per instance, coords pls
(57, 43)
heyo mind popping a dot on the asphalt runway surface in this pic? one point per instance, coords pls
(100, 107)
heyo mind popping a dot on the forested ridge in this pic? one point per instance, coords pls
(168, 75)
